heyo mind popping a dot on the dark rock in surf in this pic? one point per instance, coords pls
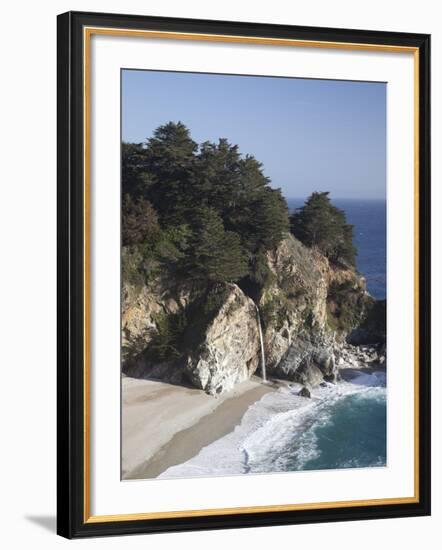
(305, 392)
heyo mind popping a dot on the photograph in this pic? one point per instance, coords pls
(253, 274)
(219, 249)
(243, 244)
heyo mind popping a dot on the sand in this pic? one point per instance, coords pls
(164, 425)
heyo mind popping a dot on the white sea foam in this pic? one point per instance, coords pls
(265, 439)
(377, 378)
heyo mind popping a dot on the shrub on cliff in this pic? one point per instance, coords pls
(320, 224)
(346, 306)
(146, 245)
(165, 345)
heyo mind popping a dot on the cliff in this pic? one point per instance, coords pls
(207, 335)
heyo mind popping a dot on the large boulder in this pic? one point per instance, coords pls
(228, 352)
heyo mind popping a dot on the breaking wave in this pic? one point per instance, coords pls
(342, 426)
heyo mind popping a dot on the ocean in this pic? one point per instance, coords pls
(342, 426)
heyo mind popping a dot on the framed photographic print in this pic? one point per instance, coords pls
(243, 274)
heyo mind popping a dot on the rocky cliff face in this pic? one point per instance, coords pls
(294, 303)
(143, 307)
(303, 324)
(219, 340)
(307, 309)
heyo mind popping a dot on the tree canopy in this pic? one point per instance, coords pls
(322, 225)
(214, 253)
(140, 221)
(218, 200)
(210, 211)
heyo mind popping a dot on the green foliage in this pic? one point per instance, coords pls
(139, 222)
(161, 171)
(268, 311)
(260, 272)
(179, 333)
(172, 244)
(231, 214)
(269, 220)
(237, 189)
(165, 345)
(142, 262)
(345, 306)
(132, 266)
(375, 319)
(214, 299)
(164, 176)
(214, 254)
(207, 213)
(218, 175)
(137, 178)
(275, 310)
(320, 224)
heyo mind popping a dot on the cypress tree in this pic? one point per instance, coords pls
(170, 157)
(214, 254)
(320, 224)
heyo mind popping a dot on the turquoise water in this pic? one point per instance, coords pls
(342, 426)
(352, 436)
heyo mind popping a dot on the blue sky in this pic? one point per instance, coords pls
(310, 135)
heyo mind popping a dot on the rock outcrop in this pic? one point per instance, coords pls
(219, 340)
(301, 315)
(229, 348)
(144, 305)
(307, 308)
(360, 356)
(295, 300)
(308, 361)
(305, 392)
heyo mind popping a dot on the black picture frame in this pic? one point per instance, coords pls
(72, 394)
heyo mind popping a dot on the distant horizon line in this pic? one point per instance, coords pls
(384, 199)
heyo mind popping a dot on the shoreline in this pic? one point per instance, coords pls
(165, 425)
(264, 440)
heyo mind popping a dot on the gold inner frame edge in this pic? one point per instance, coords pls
(87, 34)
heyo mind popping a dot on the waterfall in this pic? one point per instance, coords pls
(261, 341)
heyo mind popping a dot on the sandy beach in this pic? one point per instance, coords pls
(164, 424)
